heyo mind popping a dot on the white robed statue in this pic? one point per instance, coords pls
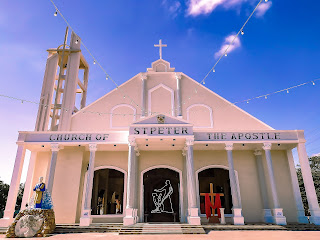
(162, 199)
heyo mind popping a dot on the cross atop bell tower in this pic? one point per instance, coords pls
(160, 45)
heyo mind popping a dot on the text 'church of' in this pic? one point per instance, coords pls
(148, 152)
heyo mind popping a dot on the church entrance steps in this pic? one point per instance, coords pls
(162, 228)
(139, 228)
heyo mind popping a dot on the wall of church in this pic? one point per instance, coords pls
(66, 184)
(160, 100)
(226, 117)
(112, 158)
(95, 122)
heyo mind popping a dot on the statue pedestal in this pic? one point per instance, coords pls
(47, 215)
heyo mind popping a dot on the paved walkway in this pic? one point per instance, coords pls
(215, 235)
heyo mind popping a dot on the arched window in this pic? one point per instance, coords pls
(161, 100)
(122, 116)
(200, 115)
(107, 192)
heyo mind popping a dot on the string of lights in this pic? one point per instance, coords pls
(213, 69)
(95, 61)
(57, 11)
(313, 82)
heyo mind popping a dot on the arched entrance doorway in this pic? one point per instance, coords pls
(161, 195)
(107, 192)
(214, 180)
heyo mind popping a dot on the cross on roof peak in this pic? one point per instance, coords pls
(160, 45)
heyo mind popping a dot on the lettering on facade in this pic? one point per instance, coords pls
(244, 136)
(74, 137)
(161, 131)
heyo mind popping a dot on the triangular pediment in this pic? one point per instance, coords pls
(160, 66)
(161, 119)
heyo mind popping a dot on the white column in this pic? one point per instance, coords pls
(308, 184)
(296, 189)
(27, 185)
(178, 94)
(278, 217)
(85, 219)
(238, 219)
(263, 188)
(130, 211)
(143, 77)
(193, 212)
(14, 187)
(54, 156)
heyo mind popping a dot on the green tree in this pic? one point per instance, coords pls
(315, 170)
(4, 189)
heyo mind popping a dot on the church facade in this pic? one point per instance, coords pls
(149, 151)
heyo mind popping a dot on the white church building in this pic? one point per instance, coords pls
(150, 149)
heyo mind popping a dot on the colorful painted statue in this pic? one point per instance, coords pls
(39, 190)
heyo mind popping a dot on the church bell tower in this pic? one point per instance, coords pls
(64, 88)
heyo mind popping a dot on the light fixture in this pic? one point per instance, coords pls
(265, 97)
(266, 0)
(21, 101)
(124, 96)
(213, 70)
(204, 82)
(107, 77)
(77, 41)
(313, 83)
(225, 54)
(242, 32)
(94, 62)
(247, 101)
(287, 90)
(55, 13)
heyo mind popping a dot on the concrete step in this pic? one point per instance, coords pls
(140, 228)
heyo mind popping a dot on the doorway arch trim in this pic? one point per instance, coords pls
(124, 191)
(142, 189)
(197, 185)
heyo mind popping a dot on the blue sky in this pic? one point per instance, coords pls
(280, 48)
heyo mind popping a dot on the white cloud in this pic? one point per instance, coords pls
(173, 7)
(198, 7)
(235, 44)
(263, 8)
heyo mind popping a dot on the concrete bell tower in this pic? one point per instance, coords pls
(61, 86)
